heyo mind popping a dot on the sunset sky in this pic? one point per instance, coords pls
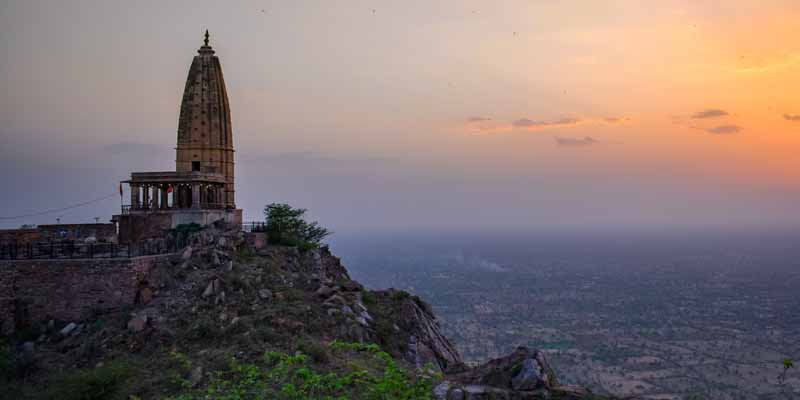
(399, 115)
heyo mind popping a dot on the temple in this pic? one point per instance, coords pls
(201, 189)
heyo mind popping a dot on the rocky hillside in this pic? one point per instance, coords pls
(229, 318)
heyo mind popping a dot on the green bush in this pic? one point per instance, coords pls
(317, 352)
(368, 298)
(7, 361)
(99, 383)
(286, 226)
(183, 230)
(288, 377)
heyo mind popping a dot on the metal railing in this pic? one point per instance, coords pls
(71, 249)
(127, 208)
(254, 226)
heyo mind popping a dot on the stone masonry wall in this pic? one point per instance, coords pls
(34, 291)
(20, 235)
(101, 232)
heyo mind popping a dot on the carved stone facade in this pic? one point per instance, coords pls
(205, 137)
(201, 189)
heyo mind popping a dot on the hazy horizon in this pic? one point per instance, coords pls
(384, 116)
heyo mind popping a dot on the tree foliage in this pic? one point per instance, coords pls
(287, 225)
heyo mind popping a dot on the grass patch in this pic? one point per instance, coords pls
(100, 383)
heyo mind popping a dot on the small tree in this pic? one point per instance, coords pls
(787, 365)
(286, 225)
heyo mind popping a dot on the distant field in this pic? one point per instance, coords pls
(664, 316)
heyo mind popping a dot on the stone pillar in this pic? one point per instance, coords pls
(176, 196)
(164, 198)
(145, 196)
(134, 196)
(183, 198)
(196, 195)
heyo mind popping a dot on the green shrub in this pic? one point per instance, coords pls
(7, 361)
(288, 377)
(184, 230)
(368, 298)
(286, 226)
(317, 352)
(99, 383)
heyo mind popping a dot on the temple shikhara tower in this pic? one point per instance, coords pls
(201, 189)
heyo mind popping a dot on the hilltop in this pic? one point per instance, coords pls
(235, 317)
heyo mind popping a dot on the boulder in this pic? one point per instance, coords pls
(440, 391)
(220, 298)
(523, 374)
(529, 376)
(352, 286)
(28, 347)
(68, 329)
(146, 295)
(187, 253)
(456, 394)
(196, 376)
(334, 301)
(333, 311)
(324, 291)
(138, 323)
(213, 287)
(265, 294)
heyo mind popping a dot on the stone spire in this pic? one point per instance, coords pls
(205, 137)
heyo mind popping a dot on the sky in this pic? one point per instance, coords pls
(435, 115)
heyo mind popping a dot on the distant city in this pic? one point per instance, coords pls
(662, 316)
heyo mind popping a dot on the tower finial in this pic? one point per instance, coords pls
(206, 39)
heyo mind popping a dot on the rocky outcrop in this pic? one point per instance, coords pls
(416, 329)
(522, 375)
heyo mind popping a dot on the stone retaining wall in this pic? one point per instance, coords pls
(33, 291)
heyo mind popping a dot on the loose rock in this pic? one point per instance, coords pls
(187, 254)
(265, 294)
(138, 323)
(68, 329)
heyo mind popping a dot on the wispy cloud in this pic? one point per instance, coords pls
(790, 117)
(527, 123)
(478, 119)
(575, 142)
(767, 63)
(710, 113)
(724, 129)
(487, 126)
